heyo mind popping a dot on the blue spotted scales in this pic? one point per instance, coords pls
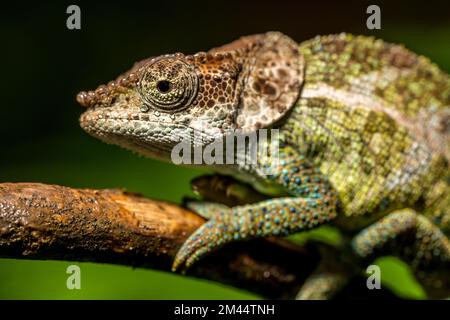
(364, 143)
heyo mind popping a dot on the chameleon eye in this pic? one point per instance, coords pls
(168, 84)
(164, 86)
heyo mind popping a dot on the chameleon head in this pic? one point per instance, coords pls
(248, 84)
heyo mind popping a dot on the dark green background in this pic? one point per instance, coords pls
(44, 65)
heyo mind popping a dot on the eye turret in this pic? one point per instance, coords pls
(168, 84)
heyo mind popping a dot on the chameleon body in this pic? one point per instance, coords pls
(364, 142)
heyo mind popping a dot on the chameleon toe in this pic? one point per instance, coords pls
(207, 238)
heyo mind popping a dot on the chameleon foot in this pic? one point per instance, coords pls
(212, 234)
(414, 239)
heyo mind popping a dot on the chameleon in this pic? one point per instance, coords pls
(363, 143)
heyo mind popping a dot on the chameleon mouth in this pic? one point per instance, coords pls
(145, 137)
(152, 150)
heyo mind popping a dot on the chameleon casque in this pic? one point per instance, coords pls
(364, 142)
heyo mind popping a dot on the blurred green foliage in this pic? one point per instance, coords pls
(45, 65)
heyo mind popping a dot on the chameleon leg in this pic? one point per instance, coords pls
(277, 217)
(414, 239)
(314, 205)
(331, 276)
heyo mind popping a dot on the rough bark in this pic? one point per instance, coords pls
(39, 221)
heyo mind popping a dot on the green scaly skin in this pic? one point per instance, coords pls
(364, 142)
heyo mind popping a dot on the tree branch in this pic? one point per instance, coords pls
(39, 221)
